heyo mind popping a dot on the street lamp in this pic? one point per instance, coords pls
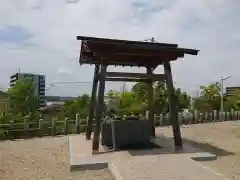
(223, 79)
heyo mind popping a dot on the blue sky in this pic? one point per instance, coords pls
(14, 35)
(39, 36)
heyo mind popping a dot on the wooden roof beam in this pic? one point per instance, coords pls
(140, 54)
(129, 51)
(124, 42)
(137, 59)
(155, 77)
(114, 47)
(126, 79)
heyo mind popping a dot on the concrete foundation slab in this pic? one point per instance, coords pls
(162, 163)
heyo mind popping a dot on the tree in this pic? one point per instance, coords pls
(209, 99)
(161, 99)
(113, 94)
(124, 103)
(139, 98)
(22, 98)
(3, 107)
(182, 100)
(210, 92)
(79, 105)
(160, 96)
(232, 101)
(140, 91)
(113, 100)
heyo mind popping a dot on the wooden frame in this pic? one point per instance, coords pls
(126, 79)
(151, 76)
(100, 106)
(103, 52)
(92, 103)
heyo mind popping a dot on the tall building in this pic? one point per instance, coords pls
(38, 80)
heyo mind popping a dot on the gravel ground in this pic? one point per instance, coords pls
(222, 139)
(41, 159)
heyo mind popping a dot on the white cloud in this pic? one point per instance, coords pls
(64, 71)
(211, 26)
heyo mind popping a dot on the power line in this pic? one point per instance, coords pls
(77, 82)
(56, 84)
(71, 82)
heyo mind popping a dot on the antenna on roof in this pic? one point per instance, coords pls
(152, 39)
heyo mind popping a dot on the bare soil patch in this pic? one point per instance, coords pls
(41, 159)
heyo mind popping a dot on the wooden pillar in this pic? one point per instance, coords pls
(100, 108)
(173, 115)
(92, 103)
(150, 103)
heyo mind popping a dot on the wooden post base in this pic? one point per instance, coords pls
(88, 138)
(95, 152)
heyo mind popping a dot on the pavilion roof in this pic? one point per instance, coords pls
(129, 53)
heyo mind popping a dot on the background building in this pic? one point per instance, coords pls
(38, 80)
(231, 90)
(56, 101)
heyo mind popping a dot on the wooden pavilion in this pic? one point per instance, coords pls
(103, 52)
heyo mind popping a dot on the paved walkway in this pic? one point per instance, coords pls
(162, 167)
(158, 164)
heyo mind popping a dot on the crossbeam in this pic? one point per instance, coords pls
(154, 77)
(126, 79)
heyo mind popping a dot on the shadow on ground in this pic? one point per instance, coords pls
(209, 148)
(166, 146)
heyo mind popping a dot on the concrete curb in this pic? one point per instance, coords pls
(88, 166)
(210, 169)
(203, 156)
(91, 164)
(114, 171)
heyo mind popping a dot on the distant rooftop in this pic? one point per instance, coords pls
(232, 90)
(30, 74)
(59, 98)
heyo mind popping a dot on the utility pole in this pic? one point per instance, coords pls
(222, 105)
